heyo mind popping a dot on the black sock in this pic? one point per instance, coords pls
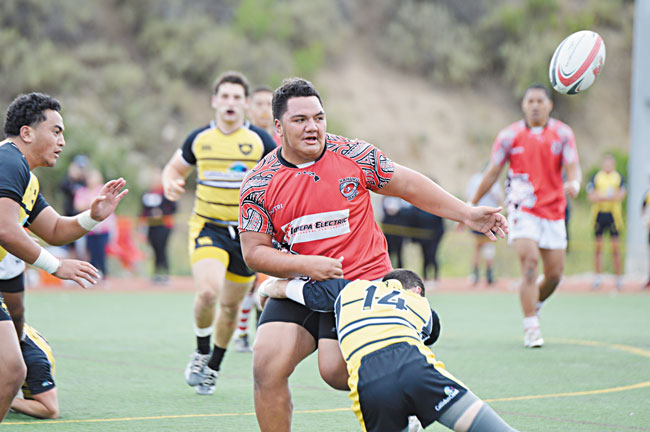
(217, 356)
(203, 344)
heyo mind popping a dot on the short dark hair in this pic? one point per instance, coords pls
(28, 110)
(232, 77)
(290, 88)
(539, 86)
(407, 278)
(261, 88)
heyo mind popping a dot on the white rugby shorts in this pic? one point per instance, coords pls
(549, 234)
(10, 267)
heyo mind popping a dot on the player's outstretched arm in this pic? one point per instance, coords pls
(59, 230)
(261, 256)
(43, 405)
(428, 196)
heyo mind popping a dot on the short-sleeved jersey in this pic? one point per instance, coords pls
(323, 207)
(222, 160)
(606, 184)
(18, 183)
(39, 360)
(536, 155)
(373, 315)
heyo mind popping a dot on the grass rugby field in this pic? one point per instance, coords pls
(121, 354)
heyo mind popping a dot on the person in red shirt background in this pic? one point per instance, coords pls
(537, 149)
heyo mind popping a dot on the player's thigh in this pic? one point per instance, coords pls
(209, 275)
(278, 348)
(11, 360)
(553, 262)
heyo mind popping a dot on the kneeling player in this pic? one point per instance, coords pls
(39, 396)
(382, 330)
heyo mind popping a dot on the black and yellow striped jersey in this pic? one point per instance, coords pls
(373, 315)
(18, 183)
(222, 161)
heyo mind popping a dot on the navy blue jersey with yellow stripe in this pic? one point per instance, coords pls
(222, 161)
(18, 183)
(39, 360)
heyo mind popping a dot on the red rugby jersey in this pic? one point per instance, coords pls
(536, 156)
(322, 208)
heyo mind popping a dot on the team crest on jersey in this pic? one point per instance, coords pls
(349, 187)
(245, 148)
(556, 147)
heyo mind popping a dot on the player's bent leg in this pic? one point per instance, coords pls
(209, 275)
(528, 253)
(470, 414)
(12, 367)
(553, 264)
(331, 364)
(278, 348)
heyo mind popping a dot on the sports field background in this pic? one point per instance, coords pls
(121, 350)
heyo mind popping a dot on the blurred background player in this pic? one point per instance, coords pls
(312, 196)
(483, 248)
(97, 239)
(427, 230)
(157, 214)
(260, 111)
(606, 191)
(74, 179)
(38, 397)
(537, 149)
(385, 330)
(222, 153)
(394, 225)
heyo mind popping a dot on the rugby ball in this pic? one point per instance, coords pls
(577, 61)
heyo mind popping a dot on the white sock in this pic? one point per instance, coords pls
(531, 322)
(202, 332)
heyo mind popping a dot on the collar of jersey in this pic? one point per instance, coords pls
(286, 163)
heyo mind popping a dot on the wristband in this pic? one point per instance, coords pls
(48, 262)
(575, 184)
(85, 221)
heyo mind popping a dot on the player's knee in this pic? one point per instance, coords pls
(269, 369)
(207, 297)
(16, 371)
(229, 310)
(553, 280)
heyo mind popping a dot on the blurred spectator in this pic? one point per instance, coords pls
(426, 231)
(394, 224)
(483, 247)
(606, 191)
(97, 239)
(74, 179)
(157, 214)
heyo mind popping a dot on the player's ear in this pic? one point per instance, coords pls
(26, 133)
(278, 127)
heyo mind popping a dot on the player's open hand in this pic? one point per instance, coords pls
(321, 268)
(81, 272)
(109, 197)
(489, 221)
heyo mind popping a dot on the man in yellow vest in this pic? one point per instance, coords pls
(606, 191)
